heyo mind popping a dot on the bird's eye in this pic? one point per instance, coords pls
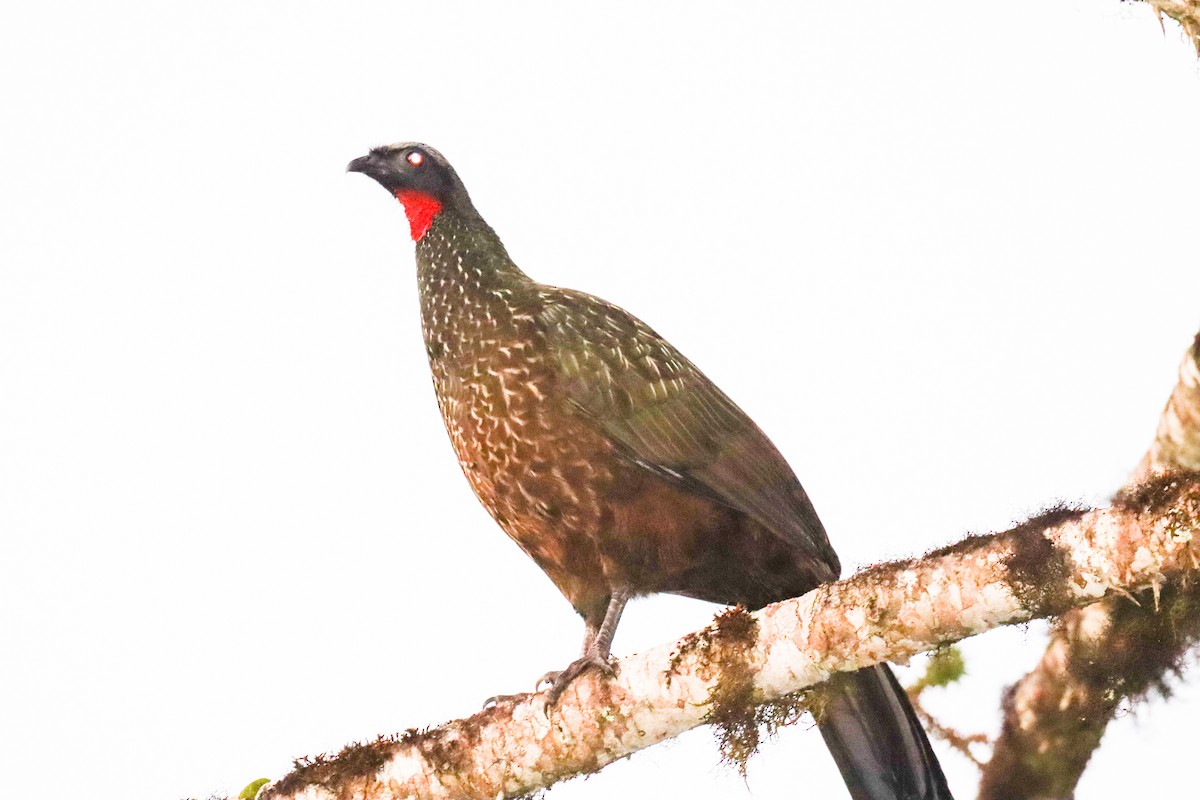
(415, 158)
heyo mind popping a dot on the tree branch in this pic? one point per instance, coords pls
(1104, 655)
(1185, 12)
(1176, 443)
(1060, 560)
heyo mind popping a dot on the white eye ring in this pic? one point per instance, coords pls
(415, 158)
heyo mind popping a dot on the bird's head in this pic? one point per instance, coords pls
(419, 177)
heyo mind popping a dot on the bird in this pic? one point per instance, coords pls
(618, 467)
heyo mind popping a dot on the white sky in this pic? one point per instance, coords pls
(945, 254)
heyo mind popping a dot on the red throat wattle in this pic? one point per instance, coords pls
(420, 208)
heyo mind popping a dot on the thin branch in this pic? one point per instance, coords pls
(959, 741)
(945, 667)
(1185, 12)
(1063, 559)
(1102, 656)
(1176, 443)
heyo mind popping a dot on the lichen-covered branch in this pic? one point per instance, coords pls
(1104, 655)
(1185, 12)
(1176, 443)
(1060, 560)
(944, 667)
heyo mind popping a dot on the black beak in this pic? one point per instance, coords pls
(363, 164)
(376, 165)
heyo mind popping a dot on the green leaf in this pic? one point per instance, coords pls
(945, 667)
(252, 788)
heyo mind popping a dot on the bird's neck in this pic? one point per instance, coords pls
(458, 250)
(472, 294)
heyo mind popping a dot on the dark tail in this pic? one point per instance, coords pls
(876, 740)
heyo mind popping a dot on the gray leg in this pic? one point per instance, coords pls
(597, 645)
(601, 642)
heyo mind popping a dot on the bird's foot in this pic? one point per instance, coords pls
(496, 699)
(559, 681)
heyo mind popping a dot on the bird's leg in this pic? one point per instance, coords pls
(597, 643)
(590, 628)
(597, 646)
(601, 644)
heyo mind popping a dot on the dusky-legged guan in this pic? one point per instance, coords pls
(618, 467)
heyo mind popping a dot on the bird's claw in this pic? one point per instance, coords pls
(560, 680)
(496, 699)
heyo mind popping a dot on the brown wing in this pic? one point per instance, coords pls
(669, 418)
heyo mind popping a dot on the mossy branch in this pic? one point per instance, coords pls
(1176, 445)
(1185, 12)
(1105, 655)
(945, 667)
(1059, 560)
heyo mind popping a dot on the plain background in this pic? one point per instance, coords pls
(945, 255)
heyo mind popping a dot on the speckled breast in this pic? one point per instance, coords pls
(535, 467)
